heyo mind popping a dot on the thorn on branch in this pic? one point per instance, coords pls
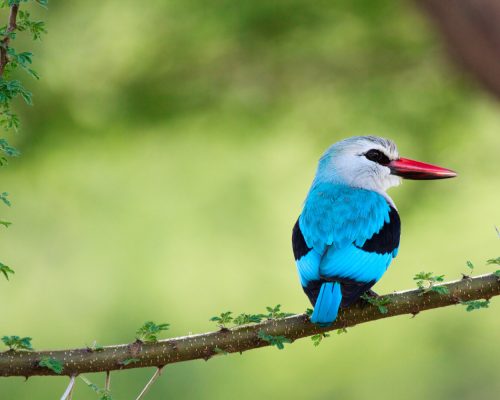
(107, 382)
(69, 390)
(150, 383)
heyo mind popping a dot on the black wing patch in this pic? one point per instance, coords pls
(351, 289)
(299, 244)
(387, 239)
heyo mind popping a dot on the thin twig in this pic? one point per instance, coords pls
(69, 390)
(242, 338)
(150, 383)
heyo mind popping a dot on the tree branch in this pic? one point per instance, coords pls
(4, 45)
(239, 339)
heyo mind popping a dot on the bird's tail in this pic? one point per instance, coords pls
(327, 304)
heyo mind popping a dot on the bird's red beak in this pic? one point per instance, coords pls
(410, 169)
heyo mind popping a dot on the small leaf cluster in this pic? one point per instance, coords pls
(35, 28)
(15, 343)
(52, 364)
(148, 333)
(426, 283)
(494, 261)
(244, 319)
(277, 341)
(276, 313)
(472, 305)
(316, 339)
(380, 302)
(224, 319)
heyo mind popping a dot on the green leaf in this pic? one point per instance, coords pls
(6, 270)
(341, 331)
(316, 339)
(470, 265)
(497, 273)
(277, 341)
(148, 333)
(223, 319)
(494, 261)
(7, 149)
(3, 197)
(380, 302)
(15, 343)
(244, 319)
(440, 289)
(5, 223)
(52, 364)
(426, 280)
(309, 312)
(276, 313)
(472, 305)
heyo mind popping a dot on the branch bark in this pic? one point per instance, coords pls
(239, 339)
(4, 45)
(471, 29)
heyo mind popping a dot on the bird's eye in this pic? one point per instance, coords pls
(377, 156)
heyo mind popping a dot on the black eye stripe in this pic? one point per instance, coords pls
(377, 156)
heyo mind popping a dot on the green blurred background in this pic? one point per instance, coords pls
(167, 157)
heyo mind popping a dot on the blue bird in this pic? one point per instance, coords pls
(348, 232)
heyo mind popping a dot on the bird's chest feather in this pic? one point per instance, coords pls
(345, 233)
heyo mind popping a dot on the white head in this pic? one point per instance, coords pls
(360, 161)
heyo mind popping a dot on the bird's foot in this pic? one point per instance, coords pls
(371, 293)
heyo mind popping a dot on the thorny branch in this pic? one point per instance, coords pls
(239, 339)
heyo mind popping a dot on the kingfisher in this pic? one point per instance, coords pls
(348, 231)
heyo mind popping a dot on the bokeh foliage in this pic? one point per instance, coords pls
(166, 160)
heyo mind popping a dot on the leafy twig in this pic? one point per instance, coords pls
(15, 343)
(426, 283)
(244, 319)
(148, 333)
(317, 339)
(278, 341)
(276, 313)
(380, 302)
(223, 319)
(472, 305)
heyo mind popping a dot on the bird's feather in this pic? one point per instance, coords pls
(345, 235)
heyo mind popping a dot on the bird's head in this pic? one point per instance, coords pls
(372, 163)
